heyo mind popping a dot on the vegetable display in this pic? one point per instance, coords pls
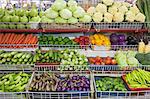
(65, 12)
(118, 39)
(100, 40)
(14, 82)
(138, 79)
(44, 82)
(50, 56)
(74, 83)
(115, 11)
(72, 60)
(16, 57)
(110, 84)
(21, 15)
(144, 59)
(143, 6)
(126, 59)
(12, 38)
(82, 41)
(51, 40)
(102, 61)
(143, 48)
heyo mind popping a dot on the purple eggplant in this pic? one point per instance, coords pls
(121, 38)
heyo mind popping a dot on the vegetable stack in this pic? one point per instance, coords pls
(14, 82)
(12, 38)
(15, 57)
(138, 79)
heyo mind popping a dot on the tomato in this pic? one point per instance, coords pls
(108, 58)
(108, 62)
(113, 62)
(97, 63)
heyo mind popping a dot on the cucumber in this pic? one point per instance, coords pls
(25, 60)
(28, 56)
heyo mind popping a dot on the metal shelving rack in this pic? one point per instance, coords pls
(134, 27)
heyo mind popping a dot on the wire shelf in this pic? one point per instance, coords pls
(19, 25)
(117, 68)
(18, 46)
(122, 25)
(65, 26)
(115, 47)
(22, 67)
(61, 67)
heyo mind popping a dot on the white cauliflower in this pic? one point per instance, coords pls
(134, 9)
(126, 4)
(91, 11)
(108, 17)
(118, 17)
(123, 9)
(140, 17)
(101, 8)
(117, 4)
(130, 16)
(97, 17)
(112, 10)
(108, 2)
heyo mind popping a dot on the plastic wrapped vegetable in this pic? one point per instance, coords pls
(60, 20)
(140, 17)
(113, 10)
(91, 11)
(108, 2)
(50, 13)
(123, 9)
(130, 16)
(132, 61)
(79, 12)
(86, 19)
(108, 17)
(131, 53)
(65, 13)
(98, 17)
(118, 17)
(72, 20)
(117, 4)
(102, 8)
(134, 9)
(126, 4)
(59, 5)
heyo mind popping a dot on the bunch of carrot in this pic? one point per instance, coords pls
(12, 38)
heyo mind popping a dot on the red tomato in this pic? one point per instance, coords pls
(113, 62)
(108, 58)
(108, 62)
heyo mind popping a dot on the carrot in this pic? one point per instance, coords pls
(26, 39)
(19, 38)
(12, 38)
(1, 37)
(7, 38)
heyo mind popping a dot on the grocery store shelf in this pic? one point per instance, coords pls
(69, 30)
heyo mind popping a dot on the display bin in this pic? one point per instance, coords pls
(64, 94)
(107, 93)
(117, 94)
(65, 26)
(13, 95)
(133, 89)
(19, 25)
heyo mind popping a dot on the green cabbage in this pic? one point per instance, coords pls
(59, 5)
(65, 13)
(72, 20)
(85, 19)
(50, 13)
(132, 61)
(79, 12)
(44, 19)
(60, 20)
(72, 3)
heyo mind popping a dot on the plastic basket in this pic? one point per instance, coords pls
(62, 95)
(18, 25)
(65, 26)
